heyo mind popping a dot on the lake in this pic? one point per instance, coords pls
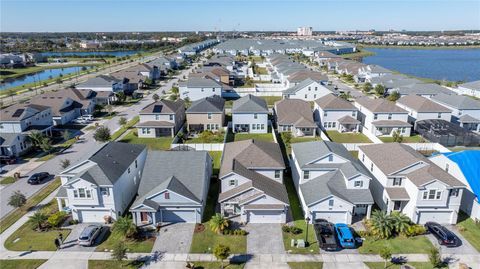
(118, 53)
(42, 75)
(440, 64)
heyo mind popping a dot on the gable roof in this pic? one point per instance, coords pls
(474, 85)
(421, 104)
(64, 100)
(457, 101)
(18, 112)
(202, 81)
(99, 81)
(332, 102)
(163, 107)
(250, 104)
(305, 83)
(211, 104)
(467, 161)
(379, 105)
(294, 111)
(304, 74)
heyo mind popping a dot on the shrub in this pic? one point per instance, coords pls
(434, 257)
(73, 222)
(17, 199)
(291, 229)
(56, 219)
(415, 230)
(102, 134)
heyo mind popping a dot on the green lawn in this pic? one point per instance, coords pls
(299, 222)
(300, 140)
(305, 265)
(417, 265)
(217, 158)
(21, 264)
(271, 99)
(102, 264)
(470, 230)
(124, 128)
(263, 137)
(354, 153)
(159, 143)
(410, 139)
(216, 265)
(139, 246)
(398, 245)
(348, 137)
(261, 70)
(215, 138)
(7, 180)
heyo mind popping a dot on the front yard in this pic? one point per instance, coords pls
(470, 230)
(21, 263)
(417, 265)
(159, 143)
(398, 245)
(133, 245)
(348, 137)
(216, 265)
(101, 264)
(405, 139)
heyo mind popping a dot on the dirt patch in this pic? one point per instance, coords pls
(199, 228)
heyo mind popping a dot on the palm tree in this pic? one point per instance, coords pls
(401, 222)
(218, 223)
(38, 219)
(382, 224)
(36, 138)
(125, 226)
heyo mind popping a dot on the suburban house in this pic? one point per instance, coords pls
(17, 122)
(307, 90)
(465, 110)
(198, 87)
(463, 165)
(135, 77)
(295, 116)
(369, 71)
(421, 108)
(330, 182)
(102, 83)
(299, 76)
(250, 115)
(67, 104)
(470, 88)
(419, 88)
(406, 181)
(335, 113)
(162, 61)
(174, 188)
(105, 184)
(381, 117)
(206, 114)
(161, 118)
(251, 178)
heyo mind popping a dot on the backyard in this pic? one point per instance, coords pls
(348, 137)
(159, 143)
(469, 229)
(231, 137)
(206, 137)
(410, 139)
(21, 263)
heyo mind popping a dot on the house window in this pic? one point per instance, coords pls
(354, 114)
(89, 194)
(309, 88)
(375, 116)
(213, 89)
(358, 184)
(136, 164)
(306, 96)
(439, 115)
(171, 117)
(325, 125)
(316, 88)
(397, 181)
(255, 116)
(446, 167)
(363, 157)
(81, 193)
(128, 170)
(432, 195)
(330, 158)
(325, 113)
(263, 126)
(157, 117)
(104, 191)
(167, 196)
(209, 116)
(232, 182)
(277, 173)
(330, 202)
(306, 174)
(254, 126)
(75, 193)
(389, 116)
(315, 96)
(334, 124)
(371, 167)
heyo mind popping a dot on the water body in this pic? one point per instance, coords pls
(440, 64)
(119, 53)
(39, 76)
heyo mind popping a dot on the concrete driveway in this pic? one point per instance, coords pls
(174, 238)
(264, 238)
(464, 248)
(70, 243)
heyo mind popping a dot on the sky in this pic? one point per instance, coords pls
(242, 15)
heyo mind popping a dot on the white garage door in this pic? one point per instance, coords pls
(92, 215)
(333, 217)
(266, 216)
(440, 217)
(178, 216)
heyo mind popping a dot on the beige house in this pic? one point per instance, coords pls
(295, 116)
(206, 114)
(162, 118)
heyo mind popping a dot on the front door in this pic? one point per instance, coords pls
(144, 216)
(397, 205)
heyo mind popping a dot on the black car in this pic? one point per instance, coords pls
(444, 236)
(37, 178)
(325, 233)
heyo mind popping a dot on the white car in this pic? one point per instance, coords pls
(80, 121)
(88, 117)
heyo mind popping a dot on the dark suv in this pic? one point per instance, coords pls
(37, 178)
(444, 236)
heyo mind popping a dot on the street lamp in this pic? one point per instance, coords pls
(307, 220)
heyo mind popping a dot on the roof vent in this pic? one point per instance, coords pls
(115, 162)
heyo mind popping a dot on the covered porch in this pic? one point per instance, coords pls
(62, 200)
(154, 129)
(348, 124)
(397, 199)
(388, 127)
(469, 123)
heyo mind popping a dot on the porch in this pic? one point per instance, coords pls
(388, 127)
(397, 199)
(152, 129)
(348, 124)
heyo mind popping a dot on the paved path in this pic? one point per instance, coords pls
(264, 238)
(174, 238)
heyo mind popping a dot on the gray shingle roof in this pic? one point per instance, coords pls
(294, 112)
(163, 107)
(421, 104)
(379, 105)
(332, 102)
(212, 104)
(18, 112)
(305, 83)
(100, 81)
(250, 104)
(457, 101)
(7, 139)
(474, 85)
(202, 82)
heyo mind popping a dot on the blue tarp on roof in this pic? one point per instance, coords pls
(469, 163)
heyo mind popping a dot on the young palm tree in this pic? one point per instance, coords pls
(38, 219)
(400, 221)
(125, 226)
(382, 224)
(35, 138)
(218, 223)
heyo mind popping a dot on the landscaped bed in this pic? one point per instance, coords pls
(216, 265)
(158, 143)
(417, 265)
(470, 230)
(7, 180)
(406, 139)
(21, 264)
(348, 137)
(398, 245)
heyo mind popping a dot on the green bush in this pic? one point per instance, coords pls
(291, 229)
(415, 230)
(56, 219)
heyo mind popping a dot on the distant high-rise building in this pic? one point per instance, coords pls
(304, 31)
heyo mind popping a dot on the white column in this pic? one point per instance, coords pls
(59, 203)
(154, 221)
(369, 211)
(135, 216)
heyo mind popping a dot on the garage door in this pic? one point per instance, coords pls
(333, 217)
(440, 217)
(178, 216)
(92, 216)
(266, 216)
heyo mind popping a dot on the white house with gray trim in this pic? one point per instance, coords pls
(196, 88)
(307, 90)
(335, 113)
(330, 182)
(421, 108)
(465, 110)
(250, 115)
(470, 88)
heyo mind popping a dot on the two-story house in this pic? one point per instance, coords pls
(105, 184)
(465, 110)
(206, 114)
(406, 181)
(103, 83)
(381, 117)
(470, 88)
(250, 115)
(421, 108)
(16, 123)
(198, 87)
(330, 182)
(335, 113)
(295, 116)
(161, 118)
(251, 179)
(174, 188)
(307, 90)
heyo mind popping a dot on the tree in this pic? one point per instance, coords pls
(102, 134)
(35, 138)
(397, 137)
(218, 223)
(287, 138)
(122, 121)
(381, 224)
(188, 102)
(221, 252)
(109, 109)
(121, 97)
(401, 222)
(174, 90)
(155, 97)
(379, 90)
(37, 220)
(367, 87)
(65, 163)
(346, 95)
(125, 226)
(46, 144)
(66, 135)
(394, 96)
(56, 219)
(434, 257)
(173, 97)
(17, 199)
(119, 251)
(386, 255)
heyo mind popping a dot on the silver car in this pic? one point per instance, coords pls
(89, 234)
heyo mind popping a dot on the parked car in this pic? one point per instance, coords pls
(445, 237)
(325, 233)
(37, 178)
(80, 120)
(88, 117)
(89, 234)
(344, 235)
(8, 159)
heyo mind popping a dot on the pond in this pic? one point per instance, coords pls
(119, 53)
